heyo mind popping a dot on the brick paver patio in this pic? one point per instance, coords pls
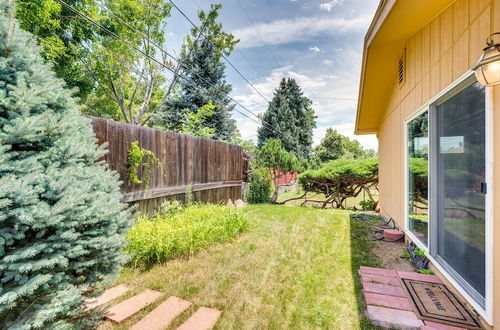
(387, 303)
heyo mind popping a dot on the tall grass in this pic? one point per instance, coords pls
(166, 236)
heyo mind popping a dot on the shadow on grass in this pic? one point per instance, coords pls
(361, 255)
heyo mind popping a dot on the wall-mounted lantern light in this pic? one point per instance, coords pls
(487, 69)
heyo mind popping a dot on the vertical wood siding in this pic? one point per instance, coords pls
(437, 54)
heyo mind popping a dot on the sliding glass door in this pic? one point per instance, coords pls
(418, 176)
(446, 184)
(461, 186)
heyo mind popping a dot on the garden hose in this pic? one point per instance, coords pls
(378, 228)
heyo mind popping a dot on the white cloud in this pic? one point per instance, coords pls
(335, 113)
(298, 29)
(314, 49)
(327, 62)
(327, 6)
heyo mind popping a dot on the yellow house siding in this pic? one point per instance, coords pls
(438, 54)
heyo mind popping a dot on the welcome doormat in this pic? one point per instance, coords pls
(434, 302)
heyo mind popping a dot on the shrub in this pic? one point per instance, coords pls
(367, 205)
(163, 237)
(276, 160)
(341, 179)
(170, 208)
(62, 224)
(260, 187)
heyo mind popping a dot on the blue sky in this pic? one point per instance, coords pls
(317, 42)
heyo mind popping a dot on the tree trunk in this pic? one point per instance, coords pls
(274, 199)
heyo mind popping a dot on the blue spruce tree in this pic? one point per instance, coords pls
(62, 224)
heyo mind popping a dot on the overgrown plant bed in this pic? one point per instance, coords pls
(180, 231)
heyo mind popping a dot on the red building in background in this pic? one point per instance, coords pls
(287, 178)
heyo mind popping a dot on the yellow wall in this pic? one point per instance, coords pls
(438, 54)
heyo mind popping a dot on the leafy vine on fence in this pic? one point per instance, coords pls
(138, 157)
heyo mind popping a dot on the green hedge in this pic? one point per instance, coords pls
(166, 236)
(342, 169)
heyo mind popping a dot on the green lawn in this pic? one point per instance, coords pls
(295, 268)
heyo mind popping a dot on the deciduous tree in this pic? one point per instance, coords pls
(335, 145)
(129, 83)
(60, 33)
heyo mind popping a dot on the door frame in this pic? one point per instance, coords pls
(486, 312)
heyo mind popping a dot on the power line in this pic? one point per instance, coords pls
(114, 35)
(257, 31)
(223, 56)
(161, 49)
(237, 49)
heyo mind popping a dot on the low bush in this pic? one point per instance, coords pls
(367, 205)
(169, 235)
(260, 187)
(341, 179)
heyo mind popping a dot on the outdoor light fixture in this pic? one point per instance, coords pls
(487, 69)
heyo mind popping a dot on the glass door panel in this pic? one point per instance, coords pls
(461, 188)
(418, 177)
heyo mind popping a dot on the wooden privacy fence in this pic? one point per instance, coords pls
(214, 170)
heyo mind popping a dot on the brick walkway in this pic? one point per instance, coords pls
(160, 318)
(387, 303)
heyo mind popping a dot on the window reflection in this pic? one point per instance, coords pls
(418, 177)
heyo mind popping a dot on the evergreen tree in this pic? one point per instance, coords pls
(277, 161)
(62, 224)
(201, 57)
(292, 119)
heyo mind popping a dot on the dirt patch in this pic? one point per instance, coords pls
(389, 255)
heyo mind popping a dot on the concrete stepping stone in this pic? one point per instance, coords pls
(203, 319)
(129, 307)
(393, 318)
(161, 317)
(107, 296)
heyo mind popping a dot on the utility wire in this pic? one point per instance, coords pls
(257, 31)
(223, 56)
(236, 48)
(114, 35)
(158, 46)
